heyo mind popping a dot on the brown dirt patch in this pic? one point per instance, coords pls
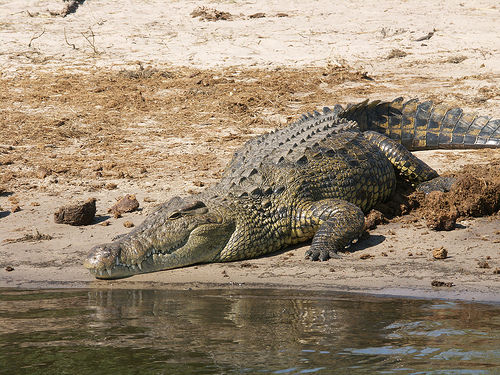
(475, 193)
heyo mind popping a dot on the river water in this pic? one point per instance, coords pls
(242, 332)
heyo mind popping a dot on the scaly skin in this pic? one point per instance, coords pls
(310, 180)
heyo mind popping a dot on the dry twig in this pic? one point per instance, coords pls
(426, 37)
(35, 37)
(36, 236)
(66, 39)
(91, 42)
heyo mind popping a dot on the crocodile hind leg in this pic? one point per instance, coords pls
(340, 222)
(411, 168)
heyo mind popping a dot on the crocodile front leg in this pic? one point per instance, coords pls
(340, 222)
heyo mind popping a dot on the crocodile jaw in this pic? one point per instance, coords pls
(201, 245)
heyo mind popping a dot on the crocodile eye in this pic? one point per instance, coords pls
(192, 206)
(175, 215)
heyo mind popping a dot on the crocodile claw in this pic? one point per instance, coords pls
(321, 255)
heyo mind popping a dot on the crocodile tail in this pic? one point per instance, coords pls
(425, 125)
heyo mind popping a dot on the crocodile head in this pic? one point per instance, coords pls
(178, 234)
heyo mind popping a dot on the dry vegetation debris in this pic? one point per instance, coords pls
(211, 14)
(30, 237)
(126, 124)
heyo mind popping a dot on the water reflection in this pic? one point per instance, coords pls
(233, 332)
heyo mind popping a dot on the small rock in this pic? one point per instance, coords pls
(496, 271)
(34, 204)
(126, 204)
(7, 176)
(440, 253)
(105, 223)
(483, 264)
(15, 208)
(248, 265)
(6, 161)
(257, 15)
(128, 224)
(43, 172)
(111, 186)
(366, 256)
(396, 53)
(374, 218)
(442, 283)
(211, 14)
(9, 269)
(442, 221)
(82, 213)
(13, 199)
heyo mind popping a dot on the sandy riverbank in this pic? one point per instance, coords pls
(147, 99)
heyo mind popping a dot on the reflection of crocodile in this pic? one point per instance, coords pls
(312, 179)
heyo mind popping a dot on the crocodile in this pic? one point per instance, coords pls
(312, 180)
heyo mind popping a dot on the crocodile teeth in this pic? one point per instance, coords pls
(139, 265)
(109, 271)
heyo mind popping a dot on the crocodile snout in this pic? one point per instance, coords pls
(102, 258)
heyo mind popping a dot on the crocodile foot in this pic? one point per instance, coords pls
(440, 183)
(322, 255)
(342, 223)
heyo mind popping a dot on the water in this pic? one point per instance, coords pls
(242, 332)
